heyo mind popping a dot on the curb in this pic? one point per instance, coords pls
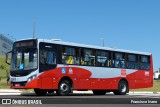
(141, 92)
(83, 92)
(10, 91)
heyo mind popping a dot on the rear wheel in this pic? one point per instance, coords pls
(64, 88)
(122, 88)
(40, 92)
(99, 92)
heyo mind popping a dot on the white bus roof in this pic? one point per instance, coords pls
(90, 46)
(57, 41)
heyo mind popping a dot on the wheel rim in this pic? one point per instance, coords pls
(63, 87)
(123, 87)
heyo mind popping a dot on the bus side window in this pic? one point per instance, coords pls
(47, 57)
(50, 57)
(82, 61)
(119, 60)
(81, 56)
(89, 57)
(132, 61)
(102, 58)
(77, 58)
(42, 56)
(70, 55)
(144, 62)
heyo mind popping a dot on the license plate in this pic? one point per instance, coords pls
(17, 85)
(13, 79)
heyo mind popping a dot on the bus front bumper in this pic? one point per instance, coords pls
(25, 85)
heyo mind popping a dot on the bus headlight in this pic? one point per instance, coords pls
(31, 78)
(34, 76)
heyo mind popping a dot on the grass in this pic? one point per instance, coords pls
(3, 83)
(4, 68)
(154, 89)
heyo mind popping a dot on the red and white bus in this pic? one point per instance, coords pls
(51, 65)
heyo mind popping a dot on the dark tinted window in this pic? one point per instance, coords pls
(119, 60)
(88, 57)
(132, 62)
(144, 62)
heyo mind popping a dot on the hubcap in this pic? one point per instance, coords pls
(123, 87)
(64, 87)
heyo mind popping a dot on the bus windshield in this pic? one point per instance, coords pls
(24, 59)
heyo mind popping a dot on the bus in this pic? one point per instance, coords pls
(56, 66)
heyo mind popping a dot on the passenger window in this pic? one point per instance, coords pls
(119, 60)
(48, 57)
(144, 63)
(70, 55)
(88, 57)
(132, 61)
(102, 59)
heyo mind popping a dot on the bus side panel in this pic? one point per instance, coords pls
(112, 83)
(131, 80)
(143, 79)
(83, 78)
(96, 83)
(47, 83)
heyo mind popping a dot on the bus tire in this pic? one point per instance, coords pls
(122, 88)
(40, 92)
(99, 92)
(64, 88)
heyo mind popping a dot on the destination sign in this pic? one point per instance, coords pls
(24, 44)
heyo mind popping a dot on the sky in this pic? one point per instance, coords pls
(125, 24)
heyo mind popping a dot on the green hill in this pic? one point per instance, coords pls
(4, 68)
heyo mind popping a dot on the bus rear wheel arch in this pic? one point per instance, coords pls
(123, 88)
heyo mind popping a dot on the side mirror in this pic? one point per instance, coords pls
(8, 57)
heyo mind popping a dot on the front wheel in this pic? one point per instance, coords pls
(40, 92)
(122, 88)
(64, 88)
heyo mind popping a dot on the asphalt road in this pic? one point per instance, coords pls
(88, 100)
